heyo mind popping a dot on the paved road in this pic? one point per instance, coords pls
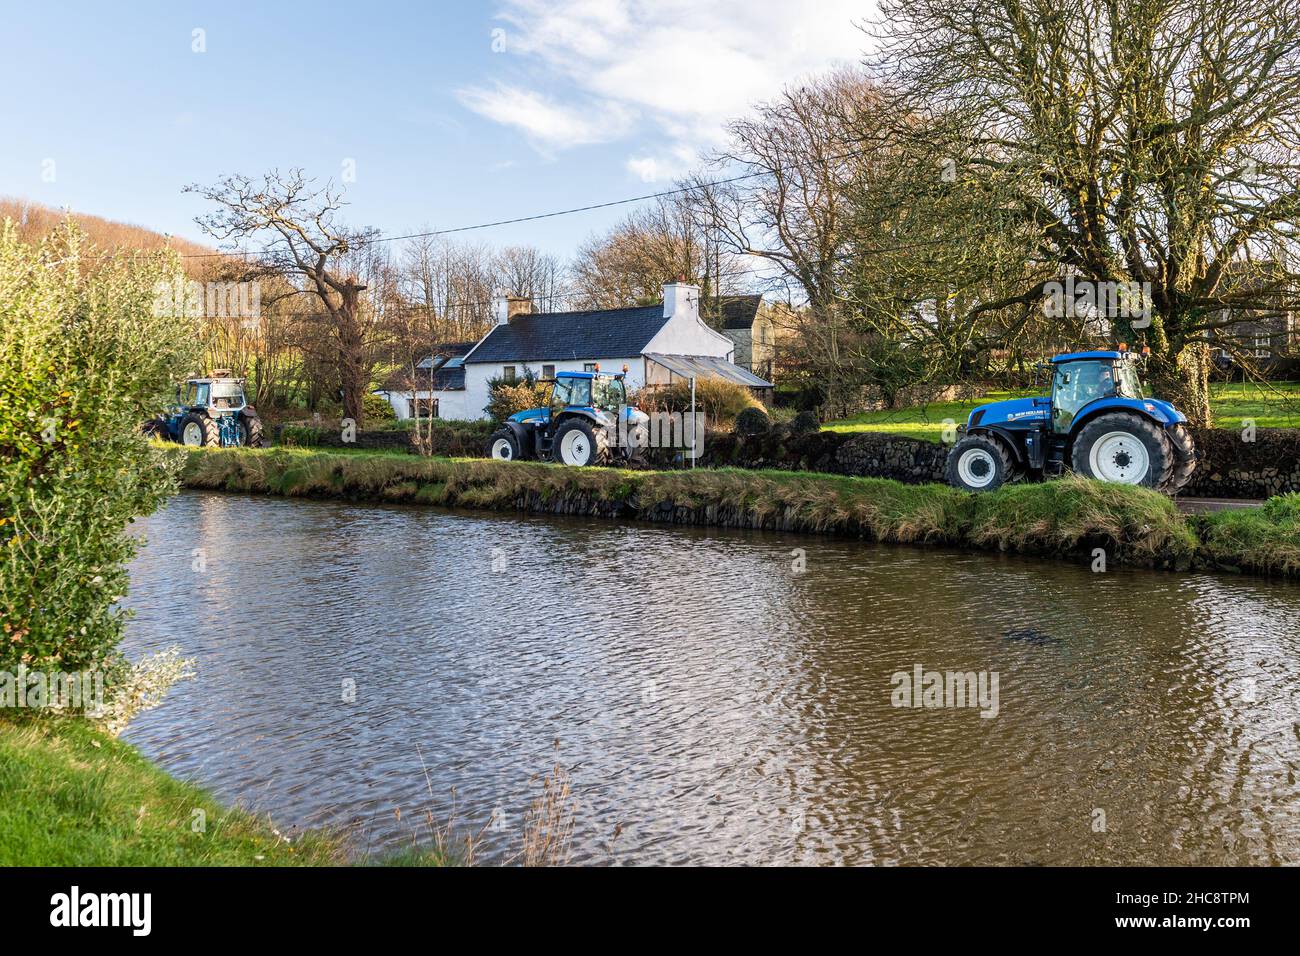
(1200, 506)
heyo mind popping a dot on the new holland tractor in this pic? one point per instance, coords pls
(212, 412)
(586, 421)
(1095, 423)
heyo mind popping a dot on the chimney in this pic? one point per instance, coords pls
(681, 298)
(505, 306)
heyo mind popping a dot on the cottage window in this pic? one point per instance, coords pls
(508, 374)
(548, 371)
(589, 367)
(1262, 346)
(422, 407)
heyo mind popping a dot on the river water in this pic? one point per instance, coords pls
(715, 696)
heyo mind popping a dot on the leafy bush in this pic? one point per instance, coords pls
(720, 400)
(805, 423)
(505, 398)
(753, 421)
(377, 410)
(304, 436)
(85, 358)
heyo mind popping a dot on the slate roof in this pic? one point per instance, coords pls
(738, 311)
(571, 336)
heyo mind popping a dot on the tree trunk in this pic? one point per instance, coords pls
(353, 375)
(1184, 380)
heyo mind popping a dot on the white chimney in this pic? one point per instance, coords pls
(681, 299)
(505, 306)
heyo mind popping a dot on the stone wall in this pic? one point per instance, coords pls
(1231, 467)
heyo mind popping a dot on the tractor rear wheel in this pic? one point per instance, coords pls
(1180, 436)
(502, 445)
(577, 443)
(250, 424)
(1124, 448)
(200, 431)
(979, 463)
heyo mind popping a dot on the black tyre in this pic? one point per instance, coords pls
(251, 426)
(578, 443)
(1124, 448)
(1180, 437)
(503, 445)
(979, 463)
(199, 431)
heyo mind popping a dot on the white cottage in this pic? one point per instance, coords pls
(659, 344)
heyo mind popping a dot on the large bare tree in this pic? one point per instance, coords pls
(296, 224)
(1137, 141)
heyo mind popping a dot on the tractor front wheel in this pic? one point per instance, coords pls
(577, 443)
(1124, 448)
(979, 463)
(502, 445)
(251, 427)
(199, 431)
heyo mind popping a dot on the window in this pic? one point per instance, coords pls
(609, 393)
(508, 374)
(423, 407)
(1263, 347)
(1075, 385)
(589, 367)
(548, 371)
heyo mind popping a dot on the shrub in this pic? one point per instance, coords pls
(720, 400)
(505, 399)
(805, 423)
(753, 421)
(304, 436)
(377, 410)
(85, 357)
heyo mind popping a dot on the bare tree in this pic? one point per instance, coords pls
(303, 242)
(1145, 141)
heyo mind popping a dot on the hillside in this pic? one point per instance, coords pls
(35, 221)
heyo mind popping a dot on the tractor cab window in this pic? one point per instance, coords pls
(609, 393)
(1130, 386)
(1074, 385)
(227, 395)
(571, 391)
(198, 395)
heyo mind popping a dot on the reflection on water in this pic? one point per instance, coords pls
(713, 706)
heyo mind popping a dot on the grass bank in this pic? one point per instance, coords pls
(1067, 517)
(73, 796)
(1270, 405)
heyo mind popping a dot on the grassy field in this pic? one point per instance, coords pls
(1275, 405)
(73, 796)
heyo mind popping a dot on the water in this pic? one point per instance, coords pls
(710, 704)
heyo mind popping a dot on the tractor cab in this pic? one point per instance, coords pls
(586, 420)
(1095, 422)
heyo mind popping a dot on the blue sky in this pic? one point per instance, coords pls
(452, 112)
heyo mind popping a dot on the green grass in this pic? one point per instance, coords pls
(1263, 539)
(73, 796)
(1271, 405)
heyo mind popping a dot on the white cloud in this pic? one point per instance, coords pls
(547, 123)
(669, 73)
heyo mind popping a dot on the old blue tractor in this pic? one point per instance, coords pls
(210, 411)
(586, 421)
(1096, 423)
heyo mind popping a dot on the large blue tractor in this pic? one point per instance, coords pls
(210, 412)
(586, 421)
(1095, 422)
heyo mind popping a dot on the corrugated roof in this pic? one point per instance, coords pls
(571, 336)
(704, 366)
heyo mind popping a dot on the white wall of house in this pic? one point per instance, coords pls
(477, 375)
(685, 333)
(453, 404)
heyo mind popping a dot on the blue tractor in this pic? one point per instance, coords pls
(210, 412)
(586, 421)
(1096, 423)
